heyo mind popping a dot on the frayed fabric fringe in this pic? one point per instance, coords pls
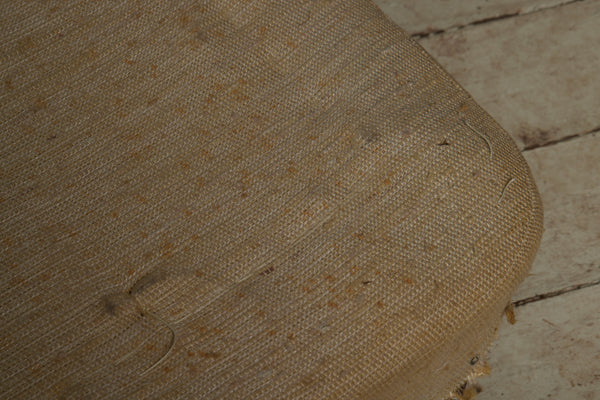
(469, 388)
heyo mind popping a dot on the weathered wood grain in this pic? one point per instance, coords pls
(568, 177)
(425, 16)
(553, 352)
(536, 74)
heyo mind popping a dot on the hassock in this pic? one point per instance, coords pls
(246, 200)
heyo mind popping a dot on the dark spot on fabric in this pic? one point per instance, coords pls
(267, 271)
(38, 104)
(203, 35)
(148, 280)
(109, 305)
(307, 380)
(209, 354)
(444, 143)
(369, 134)
(113, 303)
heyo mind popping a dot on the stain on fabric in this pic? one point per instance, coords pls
(38, 104)
(148, 280)
(112, 304)
(267, 271)
(369, 134)
(209, 354)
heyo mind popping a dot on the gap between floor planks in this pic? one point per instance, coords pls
(436, 32)
(554, 293)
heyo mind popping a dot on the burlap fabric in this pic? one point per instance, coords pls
(246, 200)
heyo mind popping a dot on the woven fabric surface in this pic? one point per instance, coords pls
(246, 200)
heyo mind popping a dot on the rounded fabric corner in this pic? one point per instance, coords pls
(244, 200)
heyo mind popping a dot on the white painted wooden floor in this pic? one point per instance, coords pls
(535, 66)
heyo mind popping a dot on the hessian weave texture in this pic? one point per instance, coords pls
(259, 199)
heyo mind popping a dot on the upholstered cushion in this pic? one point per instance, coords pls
(246, 200)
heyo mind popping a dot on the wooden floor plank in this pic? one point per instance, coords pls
(553, 352)
(568, 177)
(536, 74)
(423, 16)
